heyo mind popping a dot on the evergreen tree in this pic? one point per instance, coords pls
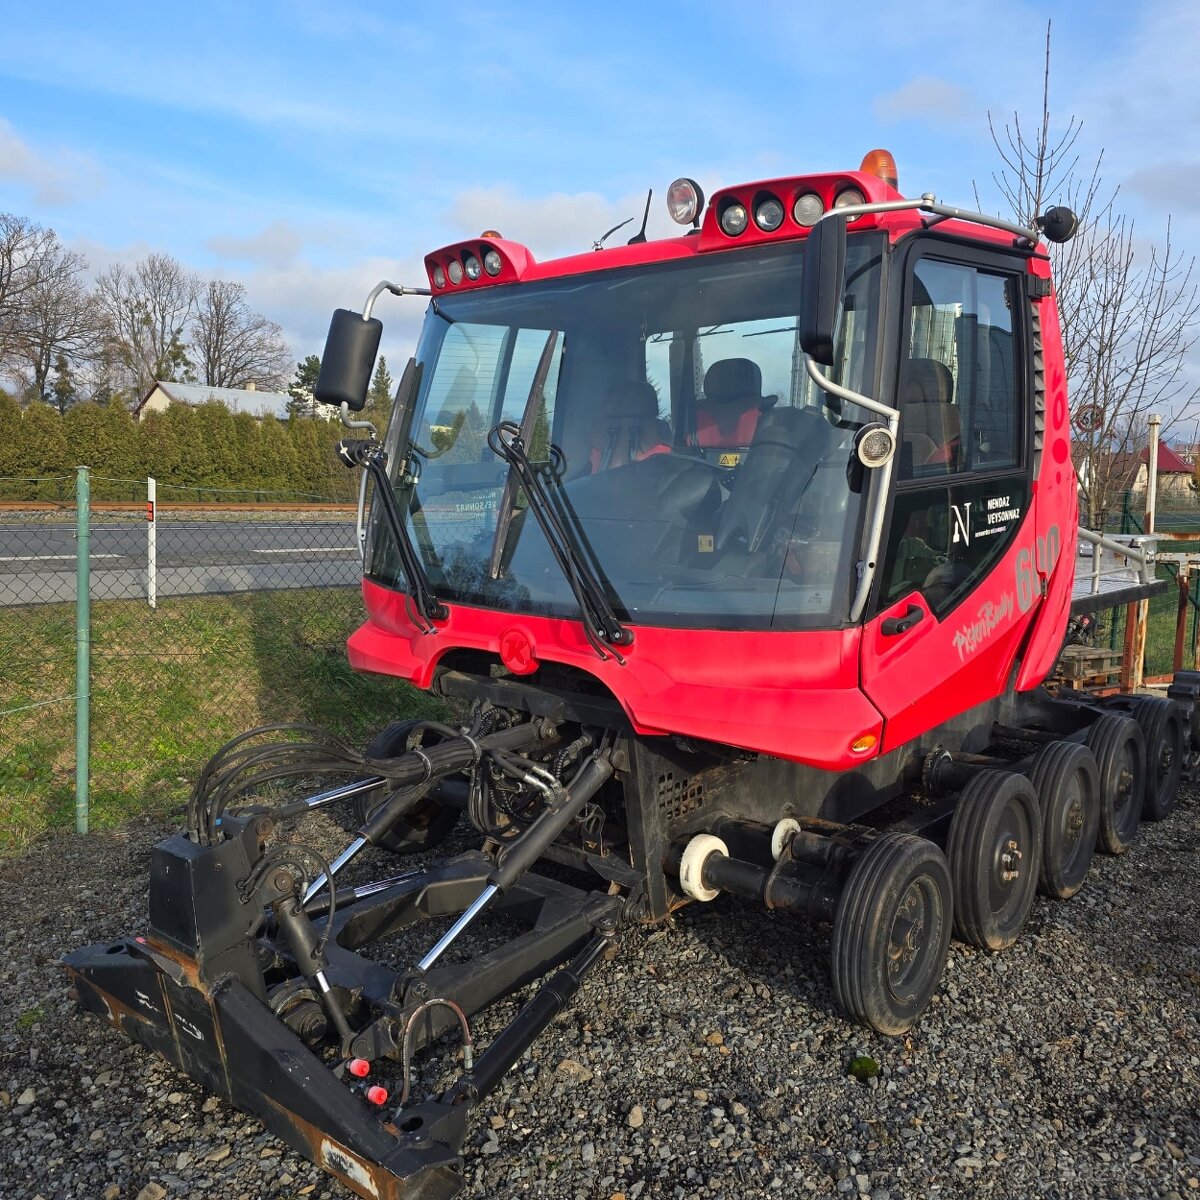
(158, 447)
(379, 398)
(248, 449)
(191, 463)
(45, 447)
(63, 388)
(12, 451)
(277, 452)
(215, 422)
(302, 403)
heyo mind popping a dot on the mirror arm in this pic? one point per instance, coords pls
(397, 289)
(351, 423)
(879, 488)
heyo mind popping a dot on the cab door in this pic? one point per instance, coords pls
(956, 587)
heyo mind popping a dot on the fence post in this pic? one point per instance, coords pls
(152, 541)
(1181, 615)
(83, 648)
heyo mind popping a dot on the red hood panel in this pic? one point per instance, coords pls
(792, 694)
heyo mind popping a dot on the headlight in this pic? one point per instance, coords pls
(847, 197)
(807, 210)
(684, 201)
(439, 277)
(472, 266)
(875, 445)
(492, 262)
(455, 271)
(768, 214)
(733, 219)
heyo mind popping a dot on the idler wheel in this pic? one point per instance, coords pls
(1120, 749)
(891, 932)
(1162, 727)
(995, 849)
(1067, 782)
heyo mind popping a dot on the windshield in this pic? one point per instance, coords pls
(704, 478)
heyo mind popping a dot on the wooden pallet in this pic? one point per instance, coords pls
(1086, 668)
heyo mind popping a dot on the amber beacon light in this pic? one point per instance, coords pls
(881, 164)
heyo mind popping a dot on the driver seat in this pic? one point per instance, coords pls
(733, 404)
(787, 449)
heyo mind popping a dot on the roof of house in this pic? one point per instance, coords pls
(1123, 469)
(1169, 463)
(260, 404)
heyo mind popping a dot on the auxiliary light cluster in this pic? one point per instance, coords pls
(471, 263)
(767, 210)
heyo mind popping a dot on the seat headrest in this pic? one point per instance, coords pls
(928, 382)
(632, 398)
(733, 381)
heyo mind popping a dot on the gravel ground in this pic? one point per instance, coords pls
(704, 1060)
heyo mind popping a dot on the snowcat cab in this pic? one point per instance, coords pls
(743, 556)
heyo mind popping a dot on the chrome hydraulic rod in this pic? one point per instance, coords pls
(519, 855)
(335, 866)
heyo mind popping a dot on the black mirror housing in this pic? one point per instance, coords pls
(349, 359)
(821, 288)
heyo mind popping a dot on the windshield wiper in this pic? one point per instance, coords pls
(424, 607)
(600, 624)
(508, 500)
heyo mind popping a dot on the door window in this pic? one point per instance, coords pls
(958, 388)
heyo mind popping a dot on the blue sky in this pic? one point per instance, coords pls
(309, 149)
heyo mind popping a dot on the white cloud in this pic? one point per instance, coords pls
(277, 244)
(926, 97)
(62, 177)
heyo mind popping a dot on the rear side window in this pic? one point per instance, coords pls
(959, 393)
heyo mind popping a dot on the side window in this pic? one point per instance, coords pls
(959, 390)
(484, 374)
(961, 491)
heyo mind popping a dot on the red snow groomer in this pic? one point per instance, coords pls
(743, 555)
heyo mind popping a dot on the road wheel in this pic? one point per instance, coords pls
(1117, 743)
(994, 849)
(1067, 782)
(422, 828)
(891, 932)
(1162, 727)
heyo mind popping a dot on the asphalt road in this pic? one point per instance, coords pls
(194, 557)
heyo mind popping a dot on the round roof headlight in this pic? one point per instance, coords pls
(768, 214)
(492, 262)
(874, 445)
(847, 197)
(473, 269)
(684, 201)
(439, 277)
(808, 209)
(455, 271)
(733, 219)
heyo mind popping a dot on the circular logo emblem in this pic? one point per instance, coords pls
(516, 652)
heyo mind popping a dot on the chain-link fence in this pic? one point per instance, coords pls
(214, 611)
(37, 660)
(252, 605)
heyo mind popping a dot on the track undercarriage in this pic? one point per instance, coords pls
(271, 984)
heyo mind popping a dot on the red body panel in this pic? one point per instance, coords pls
(936, 670)
(796, 694)
(1057, 506)
(804, 696)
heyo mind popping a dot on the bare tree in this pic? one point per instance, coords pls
(59, 319)
(1130, 312)
(146, 311)
(233, 345)
(24, 248)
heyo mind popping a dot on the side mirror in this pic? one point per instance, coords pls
(349, 359)
(821, 288)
